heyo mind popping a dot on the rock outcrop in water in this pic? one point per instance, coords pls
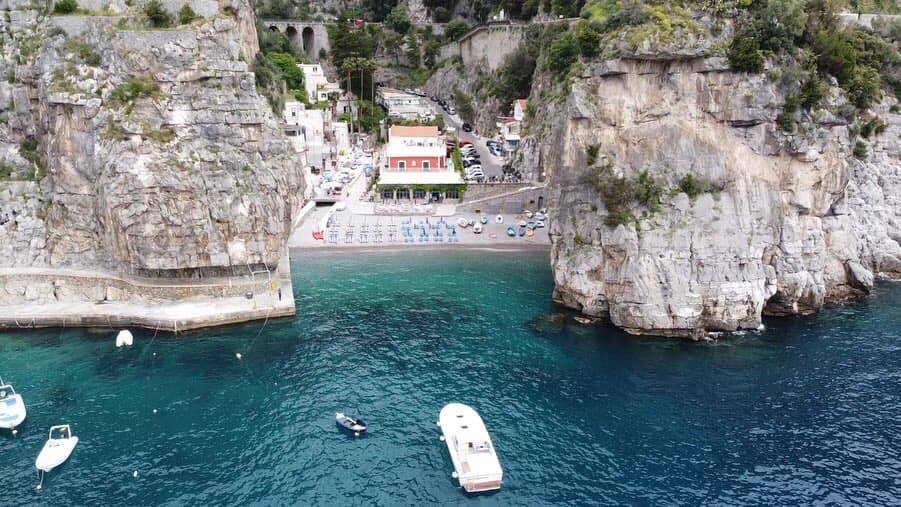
(775, 224)
(140, 151)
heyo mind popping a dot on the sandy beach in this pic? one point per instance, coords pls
(349, 230)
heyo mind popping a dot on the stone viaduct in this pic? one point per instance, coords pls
(309, 35)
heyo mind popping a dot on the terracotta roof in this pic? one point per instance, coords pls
(401, 131)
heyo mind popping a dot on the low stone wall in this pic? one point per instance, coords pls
(45, 288)
(507, 198)
(476, 191)
(33, 298)
(74, 26)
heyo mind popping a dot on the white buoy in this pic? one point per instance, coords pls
(441, 438)
(15, 432)
(154, 411)
(454, 475)
(238, 355)
(356, 433)
(124, 338)
(135, 475)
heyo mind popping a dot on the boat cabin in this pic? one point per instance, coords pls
(6, 392)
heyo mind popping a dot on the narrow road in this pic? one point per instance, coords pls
(491, 165)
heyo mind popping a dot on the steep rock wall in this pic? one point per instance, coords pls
(156, 153)
(777, 233)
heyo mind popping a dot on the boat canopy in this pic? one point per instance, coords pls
(7, 391)
(60, 432)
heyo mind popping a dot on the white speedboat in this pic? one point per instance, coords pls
(12, 407)
(462, 222)
(476, 466)
(57, 449)
(477, 228)
(124, 339)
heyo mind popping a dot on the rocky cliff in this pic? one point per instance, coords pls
(750, 221)
(135, 150)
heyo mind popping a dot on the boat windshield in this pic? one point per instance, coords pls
(6, 392)
(59, 433)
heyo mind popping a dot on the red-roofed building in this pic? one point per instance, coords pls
(415, 149)
(416, 167)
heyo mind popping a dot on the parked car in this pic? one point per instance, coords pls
(467, 127)
(451, 110)
(474, 170)
(434, 98)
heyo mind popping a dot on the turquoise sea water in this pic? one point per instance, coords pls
(807, 412)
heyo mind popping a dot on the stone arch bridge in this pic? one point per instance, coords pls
(312, 37)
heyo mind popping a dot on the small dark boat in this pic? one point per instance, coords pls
(511, 232)
(354, 424)
(522, 230)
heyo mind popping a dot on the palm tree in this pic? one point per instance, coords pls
(360, 65)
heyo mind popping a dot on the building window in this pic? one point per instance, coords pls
(403, 194)
(425, 165)
(401, 166)
(452, 194)
(387, 194)
(419, 194)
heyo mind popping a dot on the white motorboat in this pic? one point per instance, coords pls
(124, 339)
(12, 407)
(476, 466)
(58, 448)
(499, 219)
(462, 222)
(477, 228)
(527, 213)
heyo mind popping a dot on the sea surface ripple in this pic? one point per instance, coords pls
(806, 412)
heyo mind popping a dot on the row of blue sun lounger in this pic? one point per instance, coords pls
(420, 232)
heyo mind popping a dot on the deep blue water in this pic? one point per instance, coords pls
(806, 412)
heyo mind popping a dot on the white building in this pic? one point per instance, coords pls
(509, 126)
(403, 105)
(341, 131)
(308, 125)
(317, 86)
(347, 103)
(519, 109)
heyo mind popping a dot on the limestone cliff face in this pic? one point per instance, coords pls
(154, 152)
(788, 223)
(449, 78)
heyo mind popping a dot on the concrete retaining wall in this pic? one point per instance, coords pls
(39, 288)
(33, 298)
(74, 26)
(490, 45)
(507, 198)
